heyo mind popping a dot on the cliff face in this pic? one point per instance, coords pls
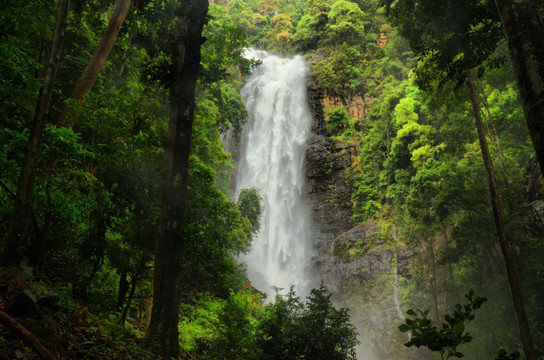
(359, 264)
(326, 187)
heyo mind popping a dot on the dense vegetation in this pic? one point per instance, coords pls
(417, 169)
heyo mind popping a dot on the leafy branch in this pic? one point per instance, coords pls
(445, 341)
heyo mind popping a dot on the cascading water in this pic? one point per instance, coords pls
(271, 159)
(396, 294)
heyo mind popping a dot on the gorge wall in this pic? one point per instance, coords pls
(358, 263)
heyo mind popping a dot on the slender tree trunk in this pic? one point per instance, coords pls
(433, 280)
(18, 234)
(524, 31)
(163, 327)
(517, 298)
(123, 289)
(126, 308)
(99, 262)
(98, 59)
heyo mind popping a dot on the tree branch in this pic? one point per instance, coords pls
(6, 187)
(26, 335)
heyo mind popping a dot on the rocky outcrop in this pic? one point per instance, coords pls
(358, 264)
(326, 187)
(315, 102)
(355, 105)
(362, 269)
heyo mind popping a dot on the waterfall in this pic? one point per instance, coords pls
(396, 294)
(273, 147)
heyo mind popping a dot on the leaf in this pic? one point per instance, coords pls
(411, 312)
(458, 328)
(404, 328)
(459, 355)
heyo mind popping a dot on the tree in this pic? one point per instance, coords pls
(215, 230)
(524, 31)
(19, 231)
(98, 59)
(340, 75)
(338, 120)
(292, 329)
(233, 336)
(517, 297)
(249, 202)
(522, 26)
(466, 49)
(452, 333)
(183, 73)
(345, 24)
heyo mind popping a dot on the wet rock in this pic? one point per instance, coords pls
(21, 303)
(319, 157)
(361, 233)
(315, 101)
(48, 302)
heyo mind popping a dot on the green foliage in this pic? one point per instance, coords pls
(26, 28)
(234, 334)
(97, 188)
(307, 33)
(249, 203)
(224, 47)
(452, 332)
(239, 328)
(504, 355)
(345, 24)
(292, 329)
(337, 120)
(450, 37)
(215, 231)
(197, 321)
(340, 74)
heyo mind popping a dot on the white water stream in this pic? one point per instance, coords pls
(273, 147)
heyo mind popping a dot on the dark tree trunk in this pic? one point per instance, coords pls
(123, 289)
(163, 327)
(525, 34)
(19, 231)
(523, 323)
(97, 61)
(99, 262)
(126, 308)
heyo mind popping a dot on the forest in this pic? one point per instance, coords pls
(120, 236)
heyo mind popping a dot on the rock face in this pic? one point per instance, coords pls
(359, 264)
(326, 187)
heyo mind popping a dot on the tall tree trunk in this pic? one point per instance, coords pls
(433, 280)
(163, 327)
(524, 31)
(523, 323)
(97, 61)
(17, 237)
(123, 289)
